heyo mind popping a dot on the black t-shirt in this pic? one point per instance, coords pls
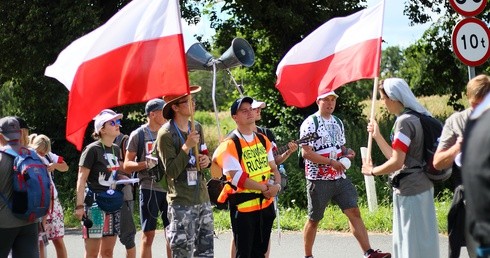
(103, 162)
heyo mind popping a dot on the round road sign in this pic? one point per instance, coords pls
(470, 40)
(468, 7)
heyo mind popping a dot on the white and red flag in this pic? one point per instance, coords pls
(340, 51)
(135, 56)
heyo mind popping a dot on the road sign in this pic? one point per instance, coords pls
(470, 40)
(468, 8)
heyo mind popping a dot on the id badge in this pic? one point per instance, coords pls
(191, 176)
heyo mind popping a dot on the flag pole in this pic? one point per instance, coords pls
(369, 180)
(193, 127)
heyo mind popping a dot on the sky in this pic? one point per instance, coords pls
(396, 29)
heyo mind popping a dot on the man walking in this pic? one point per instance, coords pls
(247, 160)
(326, 178)
(190, 232)
(153, 203)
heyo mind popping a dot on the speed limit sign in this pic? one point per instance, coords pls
(470, 40)
(468, 7)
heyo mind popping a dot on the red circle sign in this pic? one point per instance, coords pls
(468, 8)
(470, 40)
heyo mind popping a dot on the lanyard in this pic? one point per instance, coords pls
(192, 160)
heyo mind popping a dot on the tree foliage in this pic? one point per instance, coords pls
(33, 33)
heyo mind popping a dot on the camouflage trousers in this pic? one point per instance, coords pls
(191, 229)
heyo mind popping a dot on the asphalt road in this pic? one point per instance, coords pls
(327, 244)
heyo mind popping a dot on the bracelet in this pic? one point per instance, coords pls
(79, 207)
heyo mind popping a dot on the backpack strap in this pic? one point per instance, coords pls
(10, 152)
(315, 121)
(141, 143)
(238, 146)
(339, 122)
(261, 139)
(267, 132)
(122, 141)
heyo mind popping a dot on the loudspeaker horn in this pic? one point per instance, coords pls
(239, 53)
(198, 58)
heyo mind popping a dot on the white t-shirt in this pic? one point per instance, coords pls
(332, 138)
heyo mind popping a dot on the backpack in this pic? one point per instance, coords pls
(31, 196)
(301, 160)
(122, 141)
(215, 186)
(432, 129)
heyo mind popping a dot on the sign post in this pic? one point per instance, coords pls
(470, 38)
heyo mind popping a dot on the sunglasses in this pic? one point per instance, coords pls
(185, 101)
(114, 123)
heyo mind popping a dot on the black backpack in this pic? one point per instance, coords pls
(215, 186)
(432, 129)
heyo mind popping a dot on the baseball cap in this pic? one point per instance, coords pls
(258, 104)
(236, 104)
(22, 123)
(324, 95)
(154, 105)
(10, 128)
(104, 116)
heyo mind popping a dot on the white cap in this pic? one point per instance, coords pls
(104, 116)
(324, 95)
(258, 104)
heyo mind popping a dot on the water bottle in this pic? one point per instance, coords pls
(282, 170)
(284, 177)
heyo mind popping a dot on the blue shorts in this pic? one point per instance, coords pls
(153, 204)
(320, 192)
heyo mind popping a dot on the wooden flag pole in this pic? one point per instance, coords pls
(193, 127)
(369, 180)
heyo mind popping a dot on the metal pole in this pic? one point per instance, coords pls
(471, 72)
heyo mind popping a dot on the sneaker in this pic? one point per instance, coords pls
(378, 254)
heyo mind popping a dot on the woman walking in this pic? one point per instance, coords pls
(414, 220)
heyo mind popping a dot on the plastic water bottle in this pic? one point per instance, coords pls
(284, 177)
(282, 170)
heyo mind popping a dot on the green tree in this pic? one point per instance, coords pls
(391, 61)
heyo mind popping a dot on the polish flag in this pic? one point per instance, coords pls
(135, 56)
(340, 51)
